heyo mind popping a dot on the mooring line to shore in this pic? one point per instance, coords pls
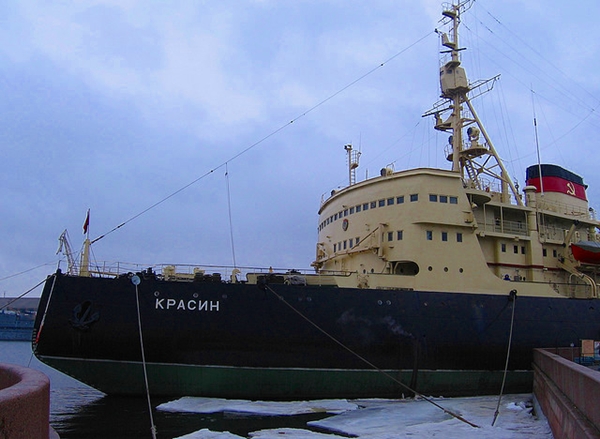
(364, 360)
(135, 280)
(513, 299)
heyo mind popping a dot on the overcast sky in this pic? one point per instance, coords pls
(114, 105)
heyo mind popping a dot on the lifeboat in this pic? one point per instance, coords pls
(587, 252)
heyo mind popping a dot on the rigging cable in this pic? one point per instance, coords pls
(6, 305)
(268, 136)
(230, 220)
(511, 298)
(537, 145)
(364, 360)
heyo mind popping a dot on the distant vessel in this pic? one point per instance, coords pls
(16, 325)
(416, 272)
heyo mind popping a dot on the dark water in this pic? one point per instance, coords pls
(78, 411)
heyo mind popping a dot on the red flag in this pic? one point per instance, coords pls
(86, 223)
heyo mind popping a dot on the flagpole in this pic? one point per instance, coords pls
(84, 266)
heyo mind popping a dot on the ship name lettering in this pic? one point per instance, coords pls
(190, 305)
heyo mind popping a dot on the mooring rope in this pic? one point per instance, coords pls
(136, 281)
(364, 360)
(511, 298)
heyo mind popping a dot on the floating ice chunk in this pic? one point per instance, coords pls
(260, 408)
(208, 434)
(290, 433)
(418, 419)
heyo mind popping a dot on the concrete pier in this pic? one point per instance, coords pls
(24, 403)
(568, 393)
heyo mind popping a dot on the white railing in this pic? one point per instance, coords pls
(185, 271)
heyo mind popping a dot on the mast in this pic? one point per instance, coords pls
(473, 160)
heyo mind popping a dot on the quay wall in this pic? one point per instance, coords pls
(24, 403)
(568, 394)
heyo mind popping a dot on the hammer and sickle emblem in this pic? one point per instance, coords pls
(570, 188)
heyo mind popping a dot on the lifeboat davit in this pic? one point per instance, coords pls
(587, 252)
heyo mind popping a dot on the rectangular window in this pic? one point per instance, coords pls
(346, 212)
(503, 248)
(414, 197)
(366, 206)
(453, 200)
(335, 217)
(358, 208)
(351, 210)
(381, 203)
(334, 248)
(390, 201)
(373, 204)
(554, 252)
(429, 235)
(351, 243)
(399, 235)
(433, 198)
(523, 250)
(544, 252)
(459, 237)
(345, 244)
(444, 236)
(390, 236)
(516, 249)
(400, 199)
(443, 198)
(340, 214)
(357, 240)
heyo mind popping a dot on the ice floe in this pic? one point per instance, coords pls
(381, 419)
(190, 404)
